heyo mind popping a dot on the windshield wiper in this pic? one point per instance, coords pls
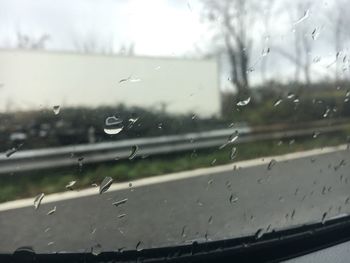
(270, 247)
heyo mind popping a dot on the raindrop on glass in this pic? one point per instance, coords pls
(259, 233)
(326, 113)
(305, 16)
(315, 33)
(265, 52)
(56, 109)
(133, 153)
(233, 153)
(106, 183)
(139, 246)
(124, 80)
(347, 200)
(53, 210)
(243, 102)
(132, 121)
(134, 80)
(290, 95)
(271, 164)
(96, 249)
(80, 161)
(292, 214)
(315, 134)
(183, 232)
(38, 199)
(233, 137)
(121, 215)
(120, 202)
(113, 125)
(10, 152)
(316, 59)
(324, 217)
(70, 185)
(233, 199)
(278, 102)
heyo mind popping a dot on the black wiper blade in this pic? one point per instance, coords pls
(273, 246)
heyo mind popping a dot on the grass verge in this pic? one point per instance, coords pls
(29, 184)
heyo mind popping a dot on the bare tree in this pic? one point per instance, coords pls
(25, 41)
(339, 19)
(91, 43)
(236, 19)
(268, 12)
(300, 55)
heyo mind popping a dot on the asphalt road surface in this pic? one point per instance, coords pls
(214, 205)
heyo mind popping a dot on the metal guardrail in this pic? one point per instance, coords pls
(108, 151)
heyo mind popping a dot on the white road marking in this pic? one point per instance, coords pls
(170, 177)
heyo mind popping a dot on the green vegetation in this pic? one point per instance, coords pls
(299, 105)
(29, 184)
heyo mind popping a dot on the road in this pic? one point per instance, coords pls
(214, 203)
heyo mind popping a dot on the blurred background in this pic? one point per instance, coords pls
(87, 72)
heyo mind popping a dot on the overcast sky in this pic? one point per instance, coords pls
(160, 28)
(157, 27)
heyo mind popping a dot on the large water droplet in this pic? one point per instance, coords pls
(243, 102)
(56, 109)
(106, 183)
(38, 199)
(113, 125)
